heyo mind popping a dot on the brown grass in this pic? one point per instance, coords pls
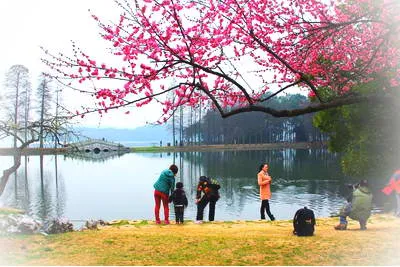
(218, 243)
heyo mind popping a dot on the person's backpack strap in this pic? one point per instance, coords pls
(313, 217)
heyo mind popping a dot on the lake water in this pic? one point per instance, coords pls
(92, 186)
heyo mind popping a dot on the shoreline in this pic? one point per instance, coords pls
(187, 148)
(233, 147)
(244, 243)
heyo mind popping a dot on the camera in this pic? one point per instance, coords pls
(353, 186)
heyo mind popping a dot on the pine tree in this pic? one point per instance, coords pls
(16, 99)
(43, 95)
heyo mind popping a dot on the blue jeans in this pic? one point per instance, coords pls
(344, 212)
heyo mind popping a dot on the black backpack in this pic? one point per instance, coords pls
(214, 186)
(303, 222)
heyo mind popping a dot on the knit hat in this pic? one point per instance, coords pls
(203, 178)
(179, 185)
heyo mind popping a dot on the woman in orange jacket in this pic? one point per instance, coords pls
(264, 181)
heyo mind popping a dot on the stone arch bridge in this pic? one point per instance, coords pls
(98, 145)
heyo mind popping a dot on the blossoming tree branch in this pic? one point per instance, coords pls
(234, 55)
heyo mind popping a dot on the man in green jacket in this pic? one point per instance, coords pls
(359, 208)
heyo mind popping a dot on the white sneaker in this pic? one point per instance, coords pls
(198, 222)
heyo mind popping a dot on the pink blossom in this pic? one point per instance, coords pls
(269, 43)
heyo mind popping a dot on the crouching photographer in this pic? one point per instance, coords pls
(358, 206)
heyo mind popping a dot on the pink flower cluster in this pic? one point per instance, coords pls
(200, 46)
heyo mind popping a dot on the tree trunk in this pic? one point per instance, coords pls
(17, 162)
(42, 113)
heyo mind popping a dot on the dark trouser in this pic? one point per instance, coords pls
(201, 206)
(265, 208)
(179, 211)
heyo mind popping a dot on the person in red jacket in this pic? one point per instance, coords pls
(394, 187)
(264, 181)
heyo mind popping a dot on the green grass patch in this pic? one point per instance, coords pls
(148, 149)
(219, 243)
(120, 223)
(141, 223)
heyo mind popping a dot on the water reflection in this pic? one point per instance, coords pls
(96, 155)
(120, 186)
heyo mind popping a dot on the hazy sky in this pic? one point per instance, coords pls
(28, 24)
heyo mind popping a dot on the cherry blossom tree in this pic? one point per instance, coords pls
(229, 54)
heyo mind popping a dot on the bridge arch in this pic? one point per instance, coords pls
(98, 146)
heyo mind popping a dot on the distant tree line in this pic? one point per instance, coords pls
(248, 128)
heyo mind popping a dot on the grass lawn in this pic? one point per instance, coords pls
(217, 243)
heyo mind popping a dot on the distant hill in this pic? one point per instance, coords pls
(146, 134)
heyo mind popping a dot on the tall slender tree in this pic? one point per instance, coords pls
(16, 99)
(257, 127)
(58, 112)
(26, 99)
(43, 95)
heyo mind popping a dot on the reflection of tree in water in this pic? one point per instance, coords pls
(42, 201)
(42, 195)
(95, 157)
(22, 193)
(49, 201)
(17, 192)
(288, 164)
(303, 175)
(60, 190)
(190, 171)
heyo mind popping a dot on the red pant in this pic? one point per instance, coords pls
(158, 196)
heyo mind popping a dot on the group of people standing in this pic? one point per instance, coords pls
(207, 193)
(358, 206)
